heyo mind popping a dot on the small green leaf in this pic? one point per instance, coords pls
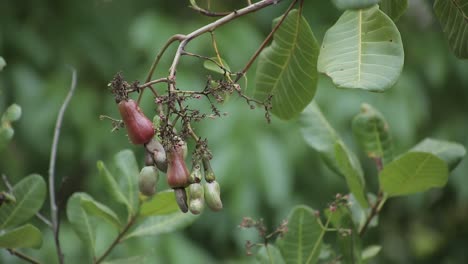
(320, 135)
(453, 17)
(303, 241)
(26, 236)
(363, 50)
(111, 186)
(269, 254)
(394, 8)
(450, 152)
(128, 176)
(370, 252)
(2, 63)
(287, 68)
(347, 237)
(351, 169)
(211, 66)
(13, 113)
(354, 4)
(160, 204)
(95, 208)
(162, 224)
(81, 221)
(30, 194)
(412, 173)
(371, 130)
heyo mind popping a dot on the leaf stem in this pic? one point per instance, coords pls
(22, 256)
(324, 230)
(376, 207)
(53, 158)
(117, 240)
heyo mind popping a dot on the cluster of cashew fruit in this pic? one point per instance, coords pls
(190, 193)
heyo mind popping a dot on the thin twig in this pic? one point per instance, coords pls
(117, 240)
(264, 43)
(375, 209)
(160, 53)
(53, 157)
(148, 84)
(205, 12)
(10, 190)
(22, 256)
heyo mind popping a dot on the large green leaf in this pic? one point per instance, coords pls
(26, 236)
(302, 242)
(160, 204)
(320, 135)
(348, 240)
(371, 130)
(156, 225)
(453, 17)
(351, 169)
(81, 221)
(30, 194)
(450, 152)
(95, 208)
(394, 8)
(112, 187)
(413, 172)
(269, 254)
(363, 50)
(287, 69)
(128, 173)
(354, 4)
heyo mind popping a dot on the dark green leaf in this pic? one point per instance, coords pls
(450, 152)
(127, 177)
(372, 132)
(269, 254)
(210, 65)
(30, 195)
(363, 50)
(95, 208)
(394, 8)
(412, 173)
(156, 225)
(453, 17)
(354, 4)
(81, 221)
(111, 186)
(287, 69)
(160, 204)
(303, 241)
(26, 236)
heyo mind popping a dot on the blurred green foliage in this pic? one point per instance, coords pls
(263, 169)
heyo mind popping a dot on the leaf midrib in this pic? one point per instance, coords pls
(18, 205)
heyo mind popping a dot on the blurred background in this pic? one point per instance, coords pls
(264, 169)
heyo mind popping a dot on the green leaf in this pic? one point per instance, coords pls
(112, 187)
(320, 135)
(394, 8)
(269, 254)
(287, 68)
(363, 50)
(2, 63)
(95, 208)
(128, 173)
(13, 113)
(453, 17)
(370, 252)
(211, 66)
(412, 173)
(160, 204)
(302, 242)
(347, 237)
(156, 225)
(26, 236)
(30, 195)
(81, 221)
(371, 130)
(349, 167)
(130, 260)
(354, 4)
(450, 152)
